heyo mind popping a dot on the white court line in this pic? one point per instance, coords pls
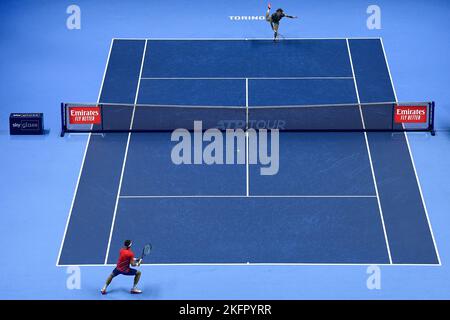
(84, 156)
(412, 158)
(370, 156)
(246, 103)
(263, 265)
(250, 78)
(69, 134)
(242, 39)
(126, 154)
(247, 169)
(247, 196)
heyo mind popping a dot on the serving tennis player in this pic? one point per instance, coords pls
(126, 258)
(275, 19)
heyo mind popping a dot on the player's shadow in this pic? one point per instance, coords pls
(148, 292)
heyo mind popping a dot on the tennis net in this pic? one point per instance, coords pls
(365, 117)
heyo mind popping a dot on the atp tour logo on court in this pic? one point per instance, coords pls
(410, 114)
(235, 146)
(85, 115)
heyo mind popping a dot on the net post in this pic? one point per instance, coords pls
(63, 120)
(433, 131)
(393, 116)
(101, 115)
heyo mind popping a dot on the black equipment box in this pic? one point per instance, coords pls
(26, 123)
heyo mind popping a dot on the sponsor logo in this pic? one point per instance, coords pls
(247, 18)
(26, 125)
(410, 114)
(85, 115)
(256, 124)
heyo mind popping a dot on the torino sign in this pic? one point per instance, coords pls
(247, 18)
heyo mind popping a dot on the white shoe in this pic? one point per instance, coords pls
(135, 291)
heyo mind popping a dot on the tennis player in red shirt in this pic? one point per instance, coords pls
(126, 258)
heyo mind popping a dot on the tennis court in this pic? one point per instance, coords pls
(338, 197)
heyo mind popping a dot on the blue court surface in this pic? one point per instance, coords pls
(340, 204)
(371, 213)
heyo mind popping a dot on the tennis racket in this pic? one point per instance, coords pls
(146, 251)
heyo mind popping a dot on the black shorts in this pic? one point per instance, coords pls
(129, 272)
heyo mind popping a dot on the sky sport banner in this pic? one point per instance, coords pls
(85, 115)
(411, 114)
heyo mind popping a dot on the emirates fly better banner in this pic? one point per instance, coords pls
(85, 115)
(410, 114)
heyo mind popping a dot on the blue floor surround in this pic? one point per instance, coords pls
(43, 63)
